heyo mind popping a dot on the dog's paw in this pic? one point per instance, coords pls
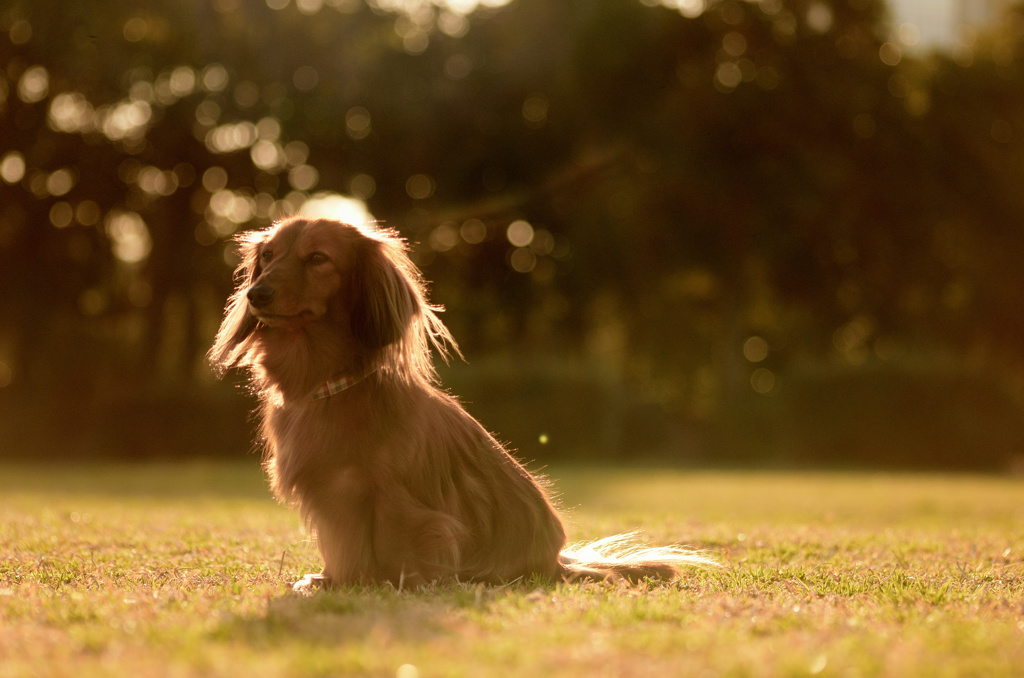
(310, 584)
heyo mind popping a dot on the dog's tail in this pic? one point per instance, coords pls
(623, 557)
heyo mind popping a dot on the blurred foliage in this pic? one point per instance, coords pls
(724, 231)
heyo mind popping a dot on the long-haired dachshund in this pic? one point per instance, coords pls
(396, 480)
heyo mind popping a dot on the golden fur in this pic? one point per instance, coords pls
(396, 480)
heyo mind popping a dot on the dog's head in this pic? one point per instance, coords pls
(358, 282)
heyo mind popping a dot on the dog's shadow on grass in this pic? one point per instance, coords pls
(367, 613)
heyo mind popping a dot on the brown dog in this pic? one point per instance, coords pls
(396, 480)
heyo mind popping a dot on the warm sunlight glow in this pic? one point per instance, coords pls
(336, 206)
(688, 8)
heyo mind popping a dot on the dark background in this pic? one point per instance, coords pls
(762, 235)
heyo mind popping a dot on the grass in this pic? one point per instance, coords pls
(183, 570)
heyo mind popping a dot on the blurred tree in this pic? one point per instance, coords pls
(698, 201)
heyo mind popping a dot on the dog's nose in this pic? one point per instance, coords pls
(260, 295)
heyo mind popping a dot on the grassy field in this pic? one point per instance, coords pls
(183, 570)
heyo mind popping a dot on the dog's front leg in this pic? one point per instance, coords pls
(412, 544)
(340, 514)
(310, 584)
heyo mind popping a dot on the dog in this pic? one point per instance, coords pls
(396, 481)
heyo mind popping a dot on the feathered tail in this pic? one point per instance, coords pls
(623, 557)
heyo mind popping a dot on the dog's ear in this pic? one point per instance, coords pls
(230, 345)
(385, 300)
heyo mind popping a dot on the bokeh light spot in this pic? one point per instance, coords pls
(71, 112)
(267, 155)
(246, 94)
(734, 43)
(762, 380)
(909, 34)
(444, 237)
(182, 81)
(21, 32)
(61, 214)
(357, 122)
(362, 186)
(309, 7)
(303, 177)
(123, 120)
(34, 85)
(473, 231)
(207, 113)
(215, 78)
(535, 110)
(890, 54)
(135, 29)
(728, 76)
(12, 167)
(543, 242)
(87, 213)
(268, 129)
(296, 153)
(453, 24)
(522, 260)
(129, 236)
(60, 182)
(820, 17)
(519, 233)
(407, 671)
(688, 8)
(755, 349)
(419, 186)
(305, 78)
(214, 179)
(231, 137)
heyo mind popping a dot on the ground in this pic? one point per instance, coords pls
(183, 570)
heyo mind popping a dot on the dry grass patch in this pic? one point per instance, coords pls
(182, 570)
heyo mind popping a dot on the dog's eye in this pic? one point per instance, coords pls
(317, 258)
(266, 255)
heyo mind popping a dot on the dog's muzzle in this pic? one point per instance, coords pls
(260, 296)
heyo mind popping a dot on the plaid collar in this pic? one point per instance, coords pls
(329, 388)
